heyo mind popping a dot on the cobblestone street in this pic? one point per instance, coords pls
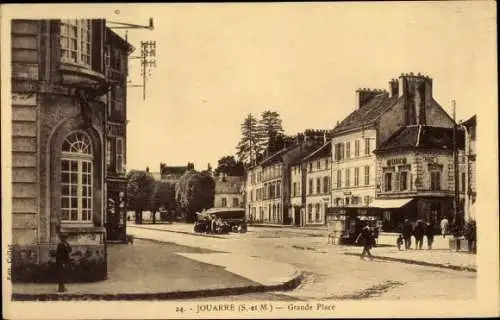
(329, 273)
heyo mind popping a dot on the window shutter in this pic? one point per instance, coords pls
(97, 43)
(119, 155)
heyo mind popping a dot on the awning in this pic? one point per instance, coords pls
(390, 203)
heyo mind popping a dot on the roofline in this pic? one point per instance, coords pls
(317, 150)
(357, 128)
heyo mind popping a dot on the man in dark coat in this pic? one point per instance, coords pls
(62, 261)
(418, 232)
(367, 240)
(407, 233)
(429, 232)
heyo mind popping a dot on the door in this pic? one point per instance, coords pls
(297, 216)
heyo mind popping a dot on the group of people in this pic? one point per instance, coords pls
(210, 224)
(420, 230)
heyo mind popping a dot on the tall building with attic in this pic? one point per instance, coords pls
(63, 122)
(377, 116)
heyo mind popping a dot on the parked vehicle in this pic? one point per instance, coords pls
(226, 220)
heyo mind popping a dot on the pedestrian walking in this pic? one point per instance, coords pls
(407, 233)
(444, 226)
(213, 224)
(429, 233)
(418, 233)
(367, 240)
(62, 262)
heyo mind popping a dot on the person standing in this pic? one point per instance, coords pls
(418, 232)
(444, 226)
(367, 240)
(62, 261)
(429, 233)
(407, 233)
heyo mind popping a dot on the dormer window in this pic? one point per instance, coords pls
(76, 42)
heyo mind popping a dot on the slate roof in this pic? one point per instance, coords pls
(323, 151)
(276, 157)
(367, 114)
(421, 136)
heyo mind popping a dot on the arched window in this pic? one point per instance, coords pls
(76, 178)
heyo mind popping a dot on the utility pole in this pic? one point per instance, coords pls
(148, 61)
(456, 198)
(148, 51)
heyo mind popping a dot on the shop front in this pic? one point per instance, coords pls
(345, 223)
(393, 212)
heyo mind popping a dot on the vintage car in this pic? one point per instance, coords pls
(226, 220)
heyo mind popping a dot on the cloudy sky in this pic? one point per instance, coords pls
(218, 62)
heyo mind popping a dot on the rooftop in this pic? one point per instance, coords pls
(421, 136)
(367, 114)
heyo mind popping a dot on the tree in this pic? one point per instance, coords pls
(163, 197)
(140, 191)
(194, 192)
(229, 166)
(249, 148)
(270, 130)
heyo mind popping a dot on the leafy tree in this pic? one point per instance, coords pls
(270, 130)
(194, 192)
(163, 197)
(230, 167)
(249, 149)
(140, 191)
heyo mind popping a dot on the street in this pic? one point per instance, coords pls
(328, 273)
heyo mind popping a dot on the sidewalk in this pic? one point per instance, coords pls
(433, 258)
(154, 270)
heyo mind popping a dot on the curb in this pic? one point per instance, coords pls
(182, 232)
(175, 295)
(421, 263)
(286, 227)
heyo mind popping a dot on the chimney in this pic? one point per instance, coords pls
(363, 96)
(393, 88)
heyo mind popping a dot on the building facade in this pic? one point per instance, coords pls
(59, 143)
(254, 191)
(318, 171)
(378, 115)
(470, 168)
(116, 52)
(228, 192)
(416, 176)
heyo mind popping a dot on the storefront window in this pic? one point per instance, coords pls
(76, 178)
(76, 41)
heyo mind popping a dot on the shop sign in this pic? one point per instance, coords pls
(396, 161)
(347, 193)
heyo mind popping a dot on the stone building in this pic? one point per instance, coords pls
(415, 176)
(228, 191)
(378, 115)
(268, 184)
(470, 168)
(61, 124)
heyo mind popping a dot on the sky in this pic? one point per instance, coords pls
(216, 63)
